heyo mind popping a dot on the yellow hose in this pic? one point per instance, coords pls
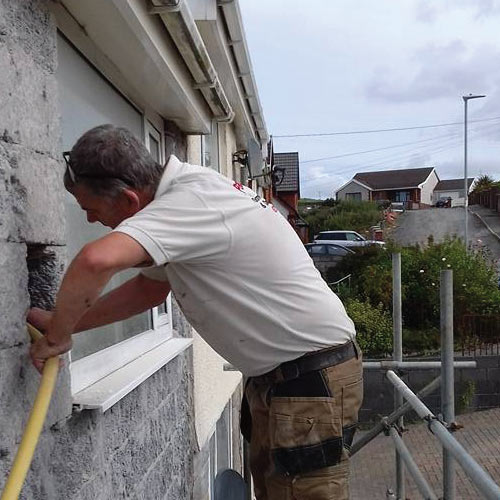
(34, 426)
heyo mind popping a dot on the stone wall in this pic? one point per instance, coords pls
(142, 447)
(475, 389)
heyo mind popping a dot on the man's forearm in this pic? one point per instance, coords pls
(133, 297)
(79, 290)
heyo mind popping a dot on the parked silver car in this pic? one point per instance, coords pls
(345, 238)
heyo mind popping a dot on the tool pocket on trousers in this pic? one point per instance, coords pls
(305, 433)
(352, 397)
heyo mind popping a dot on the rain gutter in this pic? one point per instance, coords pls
(178, 20)
(239, 49)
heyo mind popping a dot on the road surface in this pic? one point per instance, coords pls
(415, 226)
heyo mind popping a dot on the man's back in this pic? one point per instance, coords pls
(237, 269)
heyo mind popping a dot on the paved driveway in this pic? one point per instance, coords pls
(373, 468)
(415, 226)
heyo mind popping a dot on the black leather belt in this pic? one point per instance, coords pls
(309, 362)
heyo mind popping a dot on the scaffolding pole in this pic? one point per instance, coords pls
(422, 484)
(397, 355)
(390, 419)
(448, 385)
(413, 365)
(481, 479)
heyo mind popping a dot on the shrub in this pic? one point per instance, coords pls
(349, 215)
(475, 289)
(426, 341)
(373, 327)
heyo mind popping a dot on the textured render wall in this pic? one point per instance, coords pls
(30, 206)
(143, 446)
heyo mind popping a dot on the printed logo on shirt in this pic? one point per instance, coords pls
(254, 197)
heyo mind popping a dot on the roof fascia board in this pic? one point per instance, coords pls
(427, 178)
(215, 39)
(396, 188)
(357, 182)
(232, 15)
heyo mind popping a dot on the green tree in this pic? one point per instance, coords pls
(483, 183)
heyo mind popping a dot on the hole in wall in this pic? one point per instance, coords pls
(44, 270)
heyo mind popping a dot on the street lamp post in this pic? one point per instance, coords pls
(466, 180)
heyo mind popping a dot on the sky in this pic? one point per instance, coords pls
(329, 66)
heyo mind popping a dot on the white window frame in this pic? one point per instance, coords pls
(88, 374)
(213, 454)
(213, 138)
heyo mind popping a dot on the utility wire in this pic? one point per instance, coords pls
(452, 143)
(376, 149)
(352, 132)
(344, 155)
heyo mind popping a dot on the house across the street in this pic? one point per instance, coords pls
(413, 186)
(452, 188)
(286, 191)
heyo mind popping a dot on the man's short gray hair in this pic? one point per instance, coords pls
(108, 159)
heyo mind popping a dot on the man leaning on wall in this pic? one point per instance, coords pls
(243, 280)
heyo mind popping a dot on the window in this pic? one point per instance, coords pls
(163, 313)
(353, 237)
(86, 100)
(221, 447)
(353, 196)
(332, 236)
(337, 251)
(402, 196)
(210, 148)
(317, 250)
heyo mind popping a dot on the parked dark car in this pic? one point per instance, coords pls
(443, 203)
(327, 249)
(326, 255)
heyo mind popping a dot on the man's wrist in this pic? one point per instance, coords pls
(50, 342)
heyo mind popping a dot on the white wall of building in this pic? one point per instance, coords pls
(427, 188)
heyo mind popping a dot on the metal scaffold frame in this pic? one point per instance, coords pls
(392, 424)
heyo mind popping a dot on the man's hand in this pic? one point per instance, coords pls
(39, 318)
(42, 349)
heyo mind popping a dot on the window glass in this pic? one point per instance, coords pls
(352, 237)
(223, 441)
(87, 100)
(333, 236)
(79, 232)
(402, 196)
(210, 148)
(154, 148)
(337, 251)
(318, 250)
(353, 196)
(212, 464)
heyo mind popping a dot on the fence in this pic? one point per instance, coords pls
(478, 334)
(440, 427)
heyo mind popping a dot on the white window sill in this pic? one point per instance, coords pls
(109, 390)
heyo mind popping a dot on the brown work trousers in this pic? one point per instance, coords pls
(302, 431)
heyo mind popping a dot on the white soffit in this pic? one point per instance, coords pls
(140, 57)
(235, 72)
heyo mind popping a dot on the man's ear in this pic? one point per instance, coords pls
(131, 200)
